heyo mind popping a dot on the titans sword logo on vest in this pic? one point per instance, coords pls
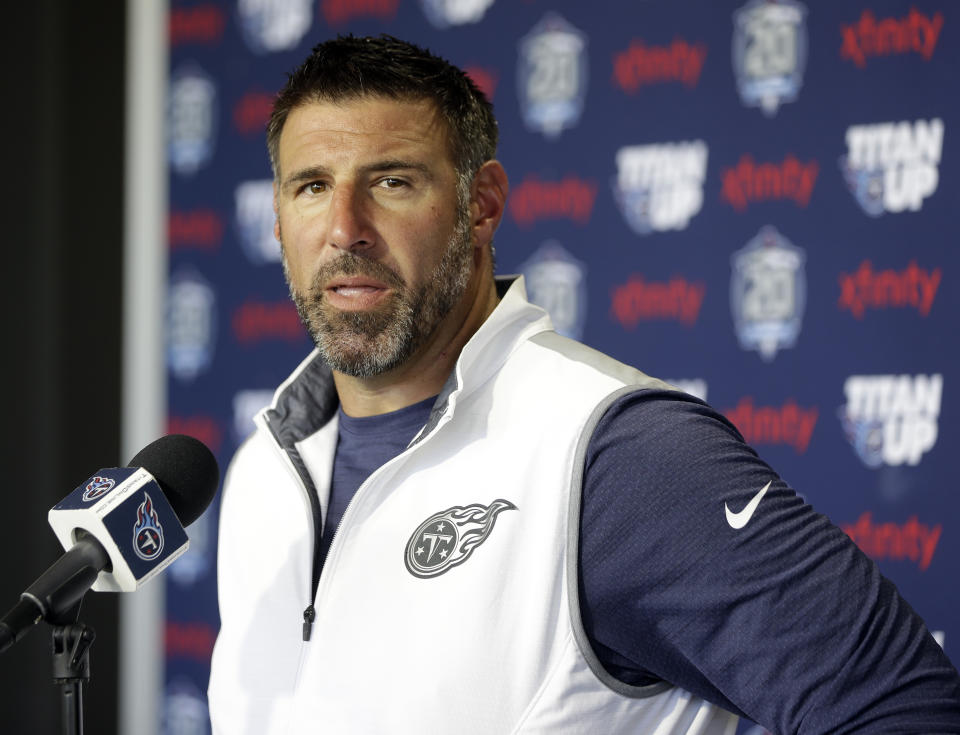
(448, 538)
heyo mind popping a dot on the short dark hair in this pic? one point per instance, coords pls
(349, 68)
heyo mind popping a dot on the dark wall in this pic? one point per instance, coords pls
(61, 214)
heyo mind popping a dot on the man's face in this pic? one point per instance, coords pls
(377, 248)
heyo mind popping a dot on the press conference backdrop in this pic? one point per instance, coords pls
(754, 200)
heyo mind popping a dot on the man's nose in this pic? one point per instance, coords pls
(350, 227)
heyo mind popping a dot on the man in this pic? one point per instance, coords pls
(453, 520)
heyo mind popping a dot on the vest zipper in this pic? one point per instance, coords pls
(307, 627)
(310, 612)
(309, 615)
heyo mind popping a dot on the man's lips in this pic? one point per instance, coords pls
(354, 283)
(354, 291)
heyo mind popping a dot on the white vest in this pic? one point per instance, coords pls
(448, 602)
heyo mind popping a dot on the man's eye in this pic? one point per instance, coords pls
(391, 182)
(315, 187)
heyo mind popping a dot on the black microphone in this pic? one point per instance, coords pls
(120, 528)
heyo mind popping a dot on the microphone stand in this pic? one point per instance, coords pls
(71, 666)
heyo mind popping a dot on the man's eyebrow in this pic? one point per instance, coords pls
(304, 174)
(398, 164)
(394, 164)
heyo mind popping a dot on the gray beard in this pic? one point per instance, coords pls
(370, 343)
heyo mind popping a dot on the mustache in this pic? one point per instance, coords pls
(349, 264)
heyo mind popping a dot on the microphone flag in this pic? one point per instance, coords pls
(127, 512)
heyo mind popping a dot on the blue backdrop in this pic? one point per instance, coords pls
(751, 199)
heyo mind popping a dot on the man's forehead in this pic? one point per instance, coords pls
(368, 133)
(414, 119)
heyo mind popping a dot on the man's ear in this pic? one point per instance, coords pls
(488, 198)
(276, 212)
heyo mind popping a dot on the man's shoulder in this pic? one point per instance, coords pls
(579, 357)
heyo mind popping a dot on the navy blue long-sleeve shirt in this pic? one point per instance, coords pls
(782, 619)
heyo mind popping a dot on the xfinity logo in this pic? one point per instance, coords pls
(911, 541)
(640, 65)
(749, 181)
(914, 33)
(866, 288)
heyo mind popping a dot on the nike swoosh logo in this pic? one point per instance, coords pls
(741, 519)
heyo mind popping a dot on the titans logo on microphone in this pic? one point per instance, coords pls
(147, 531)
(448, 538)
(97, 488)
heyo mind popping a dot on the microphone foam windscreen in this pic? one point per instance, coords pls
(186, 471)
